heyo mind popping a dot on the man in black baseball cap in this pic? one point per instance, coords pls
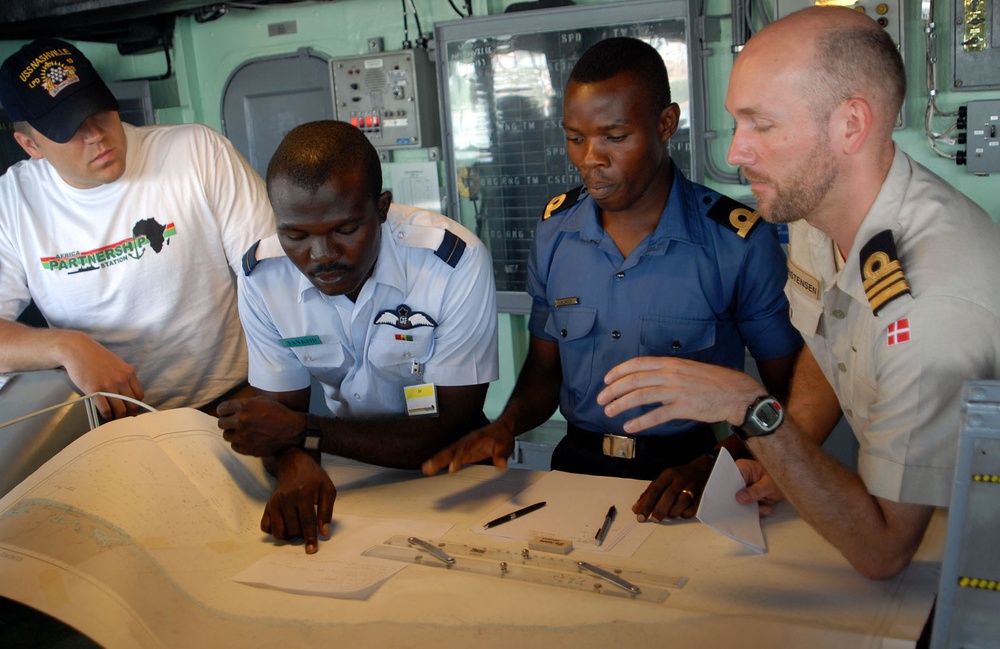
(53, 87)
(126, 238)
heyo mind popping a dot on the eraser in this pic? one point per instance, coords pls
(549, 544)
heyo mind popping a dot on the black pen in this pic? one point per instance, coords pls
(606, 525)
(515, 514)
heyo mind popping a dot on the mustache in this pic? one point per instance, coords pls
(594, 179)
(752, 176)
(330, 267)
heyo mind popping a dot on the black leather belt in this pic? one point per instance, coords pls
(671, 450)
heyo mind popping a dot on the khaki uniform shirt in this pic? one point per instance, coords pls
(902, 324)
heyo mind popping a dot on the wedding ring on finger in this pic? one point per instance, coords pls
(688, 492)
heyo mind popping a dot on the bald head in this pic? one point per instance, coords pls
(836, 53)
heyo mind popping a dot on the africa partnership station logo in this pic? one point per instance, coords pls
(146, 234)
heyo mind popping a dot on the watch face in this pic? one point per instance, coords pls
(768, 414)
(764, 416)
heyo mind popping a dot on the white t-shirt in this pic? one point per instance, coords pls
(418, 319)
(145, 265)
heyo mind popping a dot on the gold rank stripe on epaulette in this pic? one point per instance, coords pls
(976, 582)
(986, 477)
(563, 202)
(734, 215)
(881, 271)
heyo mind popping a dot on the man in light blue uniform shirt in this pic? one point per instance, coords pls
(637, 262)
(390, 308)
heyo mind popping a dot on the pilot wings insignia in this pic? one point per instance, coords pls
(405, 318)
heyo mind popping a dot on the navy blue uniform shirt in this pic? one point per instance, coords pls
(705, 284)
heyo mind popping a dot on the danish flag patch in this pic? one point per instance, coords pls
(899, 332)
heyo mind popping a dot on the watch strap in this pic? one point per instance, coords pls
(312, 435)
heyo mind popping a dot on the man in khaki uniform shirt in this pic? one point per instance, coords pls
(902, 324)
(892, 277)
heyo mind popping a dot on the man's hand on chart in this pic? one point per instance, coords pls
(489, 442)
(676, 492)
(93, 368)
(260, 426)
(302, 503)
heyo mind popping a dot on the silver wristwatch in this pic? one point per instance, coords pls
(764, 416)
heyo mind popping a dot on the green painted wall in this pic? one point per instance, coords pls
(204, 56)
(983, 190)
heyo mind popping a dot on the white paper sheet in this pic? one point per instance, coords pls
(338, 569)
(575, 509)
(720, 510)
(416, 183)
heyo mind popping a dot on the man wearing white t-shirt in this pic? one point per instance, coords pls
(127, 239)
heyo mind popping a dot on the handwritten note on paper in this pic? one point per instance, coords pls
(720, 510)
(575, 508)
(338, 569)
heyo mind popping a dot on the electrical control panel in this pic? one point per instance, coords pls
(888, 14)
(976, 39)
(982, 143)
(390, 96)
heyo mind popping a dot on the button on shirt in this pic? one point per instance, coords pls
(692, 289)
(364, 366)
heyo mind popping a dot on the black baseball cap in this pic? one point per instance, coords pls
(51, 85)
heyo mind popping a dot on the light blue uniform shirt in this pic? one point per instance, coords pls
(695, 288)
(365, 352)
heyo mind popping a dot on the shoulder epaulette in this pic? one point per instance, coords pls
(447, 246)
(250, 258)
(261, 250)
(881, 271)
(451, 249)
(734, 215)
(563, 202)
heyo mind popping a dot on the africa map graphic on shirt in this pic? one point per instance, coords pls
(147, 233)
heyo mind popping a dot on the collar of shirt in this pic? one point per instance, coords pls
(676, 222)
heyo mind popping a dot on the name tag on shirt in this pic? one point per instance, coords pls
(421, 400)
(301, 341)
(802, 280)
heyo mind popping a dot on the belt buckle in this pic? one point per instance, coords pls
(618, 446)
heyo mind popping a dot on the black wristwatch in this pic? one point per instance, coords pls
(311, 436)
(764, 416)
